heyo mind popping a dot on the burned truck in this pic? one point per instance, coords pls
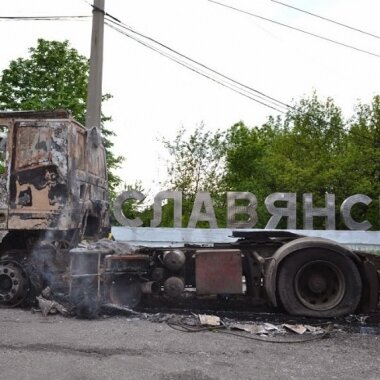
(53, 193)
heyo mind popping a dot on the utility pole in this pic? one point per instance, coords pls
(94, 92)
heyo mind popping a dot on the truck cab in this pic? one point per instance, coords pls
(55, 174)
(54, 185)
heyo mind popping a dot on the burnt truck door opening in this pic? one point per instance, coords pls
(38, 188)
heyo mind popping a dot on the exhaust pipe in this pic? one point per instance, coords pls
(150, 287)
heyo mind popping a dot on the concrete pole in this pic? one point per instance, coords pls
(94, 92)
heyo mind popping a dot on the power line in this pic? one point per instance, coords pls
(182, 59)
(236, 83)
(296, 29)
(230, 86)
(326, 19)
(257, 93)
(227, 82)
(94, 7)
(42, 18)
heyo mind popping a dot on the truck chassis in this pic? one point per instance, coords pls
(305, 276)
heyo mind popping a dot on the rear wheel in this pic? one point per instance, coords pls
(319, 283)
(14, 283)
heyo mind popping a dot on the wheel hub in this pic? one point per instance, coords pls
(317, 283)
(5, 284)
(13, 284)
(320, 285)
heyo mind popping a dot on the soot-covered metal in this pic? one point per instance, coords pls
(53, 193)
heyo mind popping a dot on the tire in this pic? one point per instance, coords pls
(25, 273)
(319, 283)
(14, 282)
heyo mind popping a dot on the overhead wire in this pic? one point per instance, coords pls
(42, 18)
(188, 62)
(296, 29)
(203, 65)
(94, 7)
(226, 81)
(227, 85)
(177, 57)
(182, 59)
(326, 19)
(185, 64)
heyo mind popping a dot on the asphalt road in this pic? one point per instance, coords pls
(54, 347)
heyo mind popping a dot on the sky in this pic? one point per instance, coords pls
(154, 97)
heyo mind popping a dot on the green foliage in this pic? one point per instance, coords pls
(246, 163)
(311, 149)
(54, 76)
(360, 164)
(196, 164)
(305, 155)
(304, 152)
(195, 161)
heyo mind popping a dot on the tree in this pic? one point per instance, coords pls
(196, 164)
(306, 156)
(361, 161)
(312, 149)
(247, 153)
(305, 152)
(54, 76)
(298, 153)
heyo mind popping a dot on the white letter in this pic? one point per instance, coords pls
(289, 212)
(345, 210)
(309, 211)
(202, 198)
(233, 210)
(157, 208)
(118, 208)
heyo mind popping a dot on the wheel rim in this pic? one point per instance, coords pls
(13, 284)
(320, 285)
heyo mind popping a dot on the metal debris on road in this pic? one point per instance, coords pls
(298, 329)
(265, 332)
(110, 308)
(50, 307)
(209, 320)
(251, 328)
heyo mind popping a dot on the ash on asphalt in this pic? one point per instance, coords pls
(355, 323)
